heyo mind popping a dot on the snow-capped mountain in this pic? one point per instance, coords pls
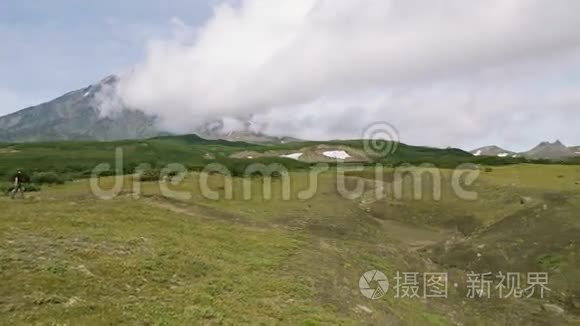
(493, 151)
(97, 112)
(544, 150)
(575, 149)
(91, 113)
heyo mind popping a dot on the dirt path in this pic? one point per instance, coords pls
(203, 212)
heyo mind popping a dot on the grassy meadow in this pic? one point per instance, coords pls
(145, 258)
(77, 159)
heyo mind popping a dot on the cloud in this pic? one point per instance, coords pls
(325, 68)
(465, 112)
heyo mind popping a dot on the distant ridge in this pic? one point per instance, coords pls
(544, 150)
(547, 150)
(575, 149)
(493, 151)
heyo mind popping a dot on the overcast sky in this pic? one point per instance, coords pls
(444, 73)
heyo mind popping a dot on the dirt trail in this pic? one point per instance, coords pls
(202, 212)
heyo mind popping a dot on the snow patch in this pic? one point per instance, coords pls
(477, 153)
(294, 156)
(87, 94)
(341, 155)
(502, 154)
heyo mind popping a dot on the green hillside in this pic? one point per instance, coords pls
(77, 158)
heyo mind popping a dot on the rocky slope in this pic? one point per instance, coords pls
(492, 151)
(544, 150)
(97, 113)
(575, 149)
(547, 150)
(79, 115)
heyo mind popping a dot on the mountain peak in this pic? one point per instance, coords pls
(547, 150)
(80, 114)
(492, 150)
(97, 112)
(556, 143)
(110, 80)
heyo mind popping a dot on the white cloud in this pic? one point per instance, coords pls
(324, 68)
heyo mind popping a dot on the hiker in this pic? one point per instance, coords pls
(18, 187)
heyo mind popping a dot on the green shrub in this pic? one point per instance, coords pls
(31, 187)
(488, 169)
(47, 178)
(149, 174)
(5, 187)
(549, 261)
(238, 167)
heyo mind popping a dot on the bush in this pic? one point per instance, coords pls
(31, 187)
(488, 169)
(47, 178)
(240, 170)
(147, 175)
(6, 188)
(238, 167)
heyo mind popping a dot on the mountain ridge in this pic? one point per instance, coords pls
(78, 115)
(544, 150)
(96, 112)
(492, 150)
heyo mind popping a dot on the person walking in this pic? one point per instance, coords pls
(18, 185)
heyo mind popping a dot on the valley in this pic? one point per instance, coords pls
(150, 258)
